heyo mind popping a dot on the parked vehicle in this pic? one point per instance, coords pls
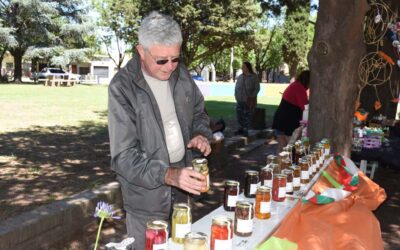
(45, 72)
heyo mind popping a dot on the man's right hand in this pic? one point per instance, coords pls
(186, 179)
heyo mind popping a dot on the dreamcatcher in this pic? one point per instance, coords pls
(376, 67)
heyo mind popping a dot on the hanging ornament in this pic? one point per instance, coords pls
(386, 57)
(378, 17)
(377, 105)
(395, 43)
(376, 22)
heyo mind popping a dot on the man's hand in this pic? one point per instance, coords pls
(186, 179)
(201, 143)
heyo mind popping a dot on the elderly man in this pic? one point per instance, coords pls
(156, 118)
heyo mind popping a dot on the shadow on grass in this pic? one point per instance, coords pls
(43, 164)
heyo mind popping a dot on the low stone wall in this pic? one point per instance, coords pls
(56, 221)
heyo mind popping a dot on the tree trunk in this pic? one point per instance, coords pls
(17, 54)
(293, 70)
(334, 58)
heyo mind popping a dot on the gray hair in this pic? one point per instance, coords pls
(159, 29)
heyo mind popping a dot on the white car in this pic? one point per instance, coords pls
(45, 72)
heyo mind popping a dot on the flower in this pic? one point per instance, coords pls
(103, 211)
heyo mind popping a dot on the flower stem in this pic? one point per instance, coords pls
(98, 233)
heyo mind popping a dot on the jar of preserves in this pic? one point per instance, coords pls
(317, 160)
(310, 166)
(244, 215)
(156, 235)
(181, 222)
(195, 241)
(263, 203)
(279, 187)
(306, 144)
(313, 163)
(275, 168)
(251, 183)
(327, 147)
(296, 177)
(266, 176)
(221, 233)
(201, 165)
(286, 162)
(304, 178)
(292, 152)
(231, 194)
(289, 180)
(271, 159)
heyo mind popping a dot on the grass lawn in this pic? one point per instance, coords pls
(26, 106)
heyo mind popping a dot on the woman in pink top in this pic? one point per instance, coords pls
(289, 113)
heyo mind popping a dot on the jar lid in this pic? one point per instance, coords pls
(244, 204)
(231, 183)
(287, 171)
(251, 172)
(267, 169)
(157, 224)
(222, 220)
(295, 167)
(280, 176)
(199, 161)
(181, 206)
(196, 237)
(264, 189)
(271, 157)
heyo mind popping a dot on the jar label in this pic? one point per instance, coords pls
(244, 226)
(253, 188)
(304, 175)
(160, 246)
(182, 229)
(268, 183)
(296, 182)
(289, 187)
(223, 244)
(232, 199)
(265, 207)
(282, 192)
(327, 151)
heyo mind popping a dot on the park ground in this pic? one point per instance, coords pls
(54, 143)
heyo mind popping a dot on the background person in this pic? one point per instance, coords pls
(246, 90)
(156, 116)
(290, 110)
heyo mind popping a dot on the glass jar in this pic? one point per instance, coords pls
(244, 215)
(310, 166)
(231, 194)
(181, 222)
(279, 187)
(304, 177)
(201, 165)
(292, 152)
(263, 203)
(156, 235)
(221, 233)
(317, 160)
(327, 147)
(251, 183)
(313, 163)
(266, 175)
(286, 162)
(271, 159)
(296, 177)
(275, 168)
(289, 180)
(195, 241)
(306, 144)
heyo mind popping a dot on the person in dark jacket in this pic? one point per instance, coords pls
(156, 118)
(290, 111)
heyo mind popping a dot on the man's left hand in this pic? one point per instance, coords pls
(201, 143)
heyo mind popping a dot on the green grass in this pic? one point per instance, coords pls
(25, 106)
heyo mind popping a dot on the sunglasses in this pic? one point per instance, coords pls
(164, 61)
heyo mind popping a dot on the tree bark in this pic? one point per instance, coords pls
(17, 54)
(334, 58)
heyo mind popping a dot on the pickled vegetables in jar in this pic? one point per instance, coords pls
(181, 222)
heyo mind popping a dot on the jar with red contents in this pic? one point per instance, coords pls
(231, 194)
(266, 175)
(221, 233)
(279, 188)
(251, 183)
(156, 235)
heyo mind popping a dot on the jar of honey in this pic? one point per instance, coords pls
(156, 235)
(195, 241)
(327, 147)
(275, 168)
(263, 203)
(181, 222)
(279, 187)
(266, 175)
(310, 166)
(289, 180)
(271, 159)
(231, 194)
(251, 183)
(317, 160)
(296, 177)
(313, 163)
(244, 215)
(201, 165)
(304, 178)
(221, 233)
(306, 144)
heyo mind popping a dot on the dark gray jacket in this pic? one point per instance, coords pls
(139, 154)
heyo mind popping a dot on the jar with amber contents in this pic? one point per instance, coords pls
(289, 180)
(156, 235)
(310, 166)
(201, 165)
(286, 162)
(251, 183)
(317, 160)
(266, 175)
(244, 215)
(313, 163)
(181, 222)
(231, 194)
(221, 233)
(263, 203)
(296, 177)
(279, 187)
(195, 241)
(271, 159)
(327, 147)
(275, 168)
(304, 177)
(306, 144)
(292, 152)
